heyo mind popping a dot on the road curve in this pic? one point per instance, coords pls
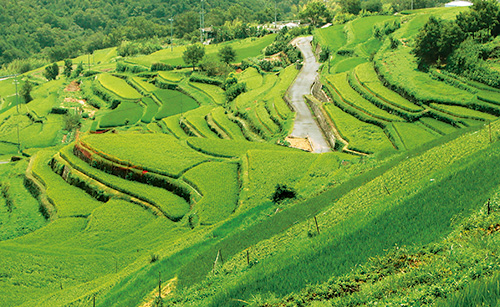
(305, 125)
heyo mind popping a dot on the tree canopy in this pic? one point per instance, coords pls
(193, 54)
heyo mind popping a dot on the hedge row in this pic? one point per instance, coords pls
(204, 79)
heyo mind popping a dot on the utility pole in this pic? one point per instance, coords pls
(275, 14)
(202, 20)
(171, 34)
(17, 107)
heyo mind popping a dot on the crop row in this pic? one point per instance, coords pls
(140, 154)
(68, 200)
(341, 85)
(171, 205)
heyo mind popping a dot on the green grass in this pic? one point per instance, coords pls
(363, 28)
(332, 37)
(348, 64)
(144, 85)
(151, 109)
(127, 113)
(231, 129)
(196, 119)
(172, 205)
(252, 78)
(420, 218)
(174, 102)
(216, 93)
(68, 200)
(170, 76)
(172, 124)
(483, 292)
(463, 112)
(360, 135)
(231, 148)
(368, 78)
(218, 182)
(118, 86)
(350, 96)
(399, 69)
(198, 95)
(147, 151)
(250, 47)
(413, 135)
(22, 216)
(267, 169)
(437, 125)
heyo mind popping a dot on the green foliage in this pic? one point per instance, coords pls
(218, 183)
(139, 153)
(173, 102)
(173, 206)
(127, 113)
(118, 86)
(193, 54)
(361, 136)
(315, 12)
(283, 193)
(161, 67)
(68, 67)
(350, 6)
(72, 121)
(128, 48)
(204, 79)
(51, 72)
(214, 67)
(25, 91)
(227, 54)
(78, 70)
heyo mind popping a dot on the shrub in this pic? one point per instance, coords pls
(283, 192)
(234, 90)
(161, 67)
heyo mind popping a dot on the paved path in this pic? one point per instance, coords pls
(305, 126)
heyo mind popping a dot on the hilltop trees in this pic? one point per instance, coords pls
(315, 12)
(193, 54)
(439, 38)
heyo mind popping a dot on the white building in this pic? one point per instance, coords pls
(458, 3)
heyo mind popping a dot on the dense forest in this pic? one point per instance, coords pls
(52, 30)
(59, 29)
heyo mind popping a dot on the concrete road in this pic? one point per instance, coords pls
(304, 125)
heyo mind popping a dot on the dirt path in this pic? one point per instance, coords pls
(305, 125)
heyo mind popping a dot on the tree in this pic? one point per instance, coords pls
(427, 42)
(51, 72)
(68, 67)
(350, 6)
(72, 121)
(315, 12)
(26, 91)
(193, 54)
(78, 70)
(227, 54)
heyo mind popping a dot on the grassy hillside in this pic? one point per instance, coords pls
(127, 180)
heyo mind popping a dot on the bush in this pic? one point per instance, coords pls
(161, 67)
(205, 79)
(283, 192)
(234, 90)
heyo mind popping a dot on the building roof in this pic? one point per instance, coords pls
(458, 3)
